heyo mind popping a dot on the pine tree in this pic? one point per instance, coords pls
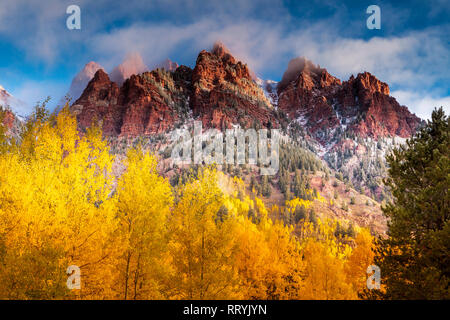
(300, 213)
(265, 186)
(253, 183)
(415, 260)
(313, 217)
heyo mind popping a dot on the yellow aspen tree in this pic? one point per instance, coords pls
(268, 260)
(285, 264)
(325, 278)
(63, 208)
(202, 246)
(144, 202)
(324, 257)
(29, 268)
(361, 257)
(251, 260)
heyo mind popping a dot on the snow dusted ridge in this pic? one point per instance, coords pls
(18, 107)
(269, 88)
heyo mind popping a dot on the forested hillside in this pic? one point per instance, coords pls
(205, 236)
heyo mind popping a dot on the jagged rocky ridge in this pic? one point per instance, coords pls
(220, 91)
(350, 124)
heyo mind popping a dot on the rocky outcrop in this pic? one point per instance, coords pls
(224, 92)
(11, 125)
(8, 120)
(366, 100)
(324, 105)
(220, 91)
(145, 104)
(99, 103)
(80, 81)
(307, 75)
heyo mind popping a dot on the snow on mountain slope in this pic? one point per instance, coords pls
(270, 90)
(17, 106)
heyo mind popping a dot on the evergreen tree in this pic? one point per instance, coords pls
(414, 259)
(284, 180)
(253, 184)
(313, 217)
(265, 186)
(300, 213)
(351, 230)
(299, 186)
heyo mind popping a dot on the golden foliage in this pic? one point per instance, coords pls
(134, 238)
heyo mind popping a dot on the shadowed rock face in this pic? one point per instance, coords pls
(322, 103)
(145, 104)
(220, 91)
(99, 103)
(224, 92)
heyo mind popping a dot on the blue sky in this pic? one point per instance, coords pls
(40, 56)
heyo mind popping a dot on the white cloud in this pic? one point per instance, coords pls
(415, 61)
(32, 92)
(422, 104)
(153, 42)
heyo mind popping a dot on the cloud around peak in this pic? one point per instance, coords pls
(133, 64)
(264, 34)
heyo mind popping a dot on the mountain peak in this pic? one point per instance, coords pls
(220, 50)
(8, 100)
(368, 81)
(312, 74)
(98, 87)
(101, 75)
(362, 104)
(80, 81)
(91, 67)
(221, 92)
